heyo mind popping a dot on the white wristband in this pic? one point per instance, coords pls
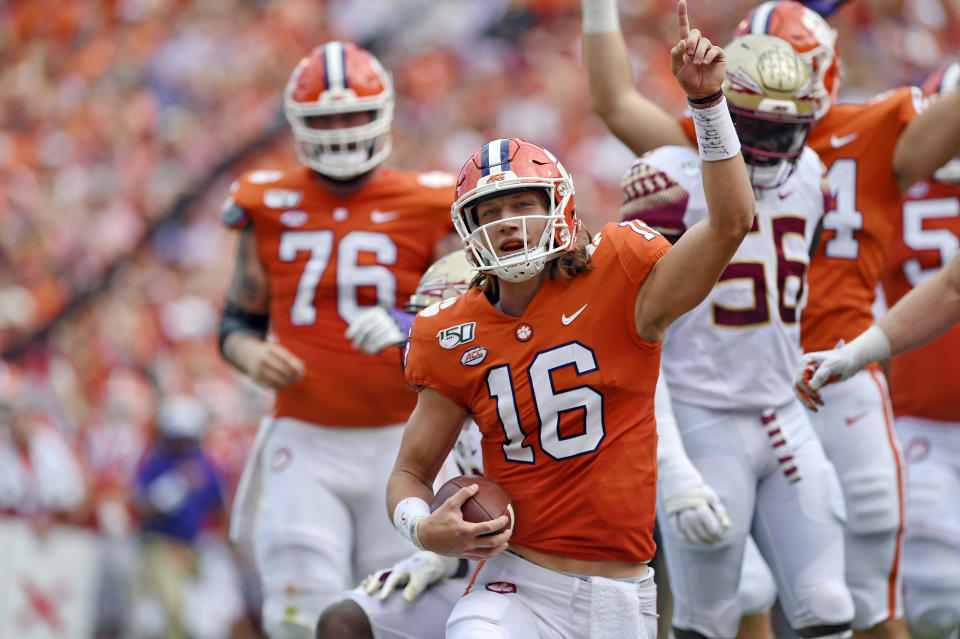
(870, 346)
(600, 16)
(406, 515)
(716, 136)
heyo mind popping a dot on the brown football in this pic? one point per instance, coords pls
(490, 502)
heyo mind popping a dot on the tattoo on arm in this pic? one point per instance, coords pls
(249, 287)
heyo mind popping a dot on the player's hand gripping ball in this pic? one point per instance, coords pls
(489, 502)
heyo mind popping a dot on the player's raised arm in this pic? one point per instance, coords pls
(920, 316)
(932, 138)
(684, 276)
(635, 120)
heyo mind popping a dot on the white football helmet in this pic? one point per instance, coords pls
(339, 78)
(499, 168)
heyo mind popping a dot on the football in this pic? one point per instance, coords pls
(490, 502)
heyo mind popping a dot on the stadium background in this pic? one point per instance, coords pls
(122, 123)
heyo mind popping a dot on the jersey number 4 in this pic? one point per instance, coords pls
(551, 404)
(350, 275)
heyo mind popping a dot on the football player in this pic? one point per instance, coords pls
(318, 244)
(873, 153)
(922, 281)
(431, 584)
(742, 426)
(554, 351)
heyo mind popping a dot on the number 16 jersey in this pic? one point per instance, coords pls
(563, 396)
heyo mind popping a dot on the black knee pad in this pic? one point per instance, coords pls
(344, 620)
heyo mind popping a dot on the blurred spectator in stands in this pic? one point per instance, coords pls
(189, 586)
(41, 477)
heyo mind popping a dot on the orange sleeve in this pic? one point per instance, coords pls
(638, 248)
(686, 123)
(416, 358)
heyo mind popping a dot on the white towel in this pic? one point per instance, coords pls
(615, 610)
(245, 503)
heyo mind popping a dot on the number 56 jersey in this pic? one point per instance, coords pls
(563, 396)
(737, 350)
(327, 259)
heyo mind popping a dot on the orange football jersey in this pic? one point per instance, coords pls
(330, 258)
(856, 142)
(925, 382)
(563, 396)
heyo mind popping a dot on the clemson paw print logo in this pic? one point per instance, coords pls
(523, 332)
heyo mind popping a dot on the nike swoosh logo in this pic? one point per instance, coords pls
(784, 196)
(837, 142)
(566, 320)
(379, 217)
(855, 418)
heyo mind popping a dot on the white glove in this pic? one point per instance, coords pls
(418, 571)
(698, 515)
(373, 330)
(693, 508)
(820, 368)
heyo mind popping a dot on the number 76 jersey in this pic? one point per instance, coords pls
(327, 259)
(737, 350)
(563, 396)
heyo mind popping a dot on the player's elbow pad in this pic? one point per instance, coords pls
(234, 319)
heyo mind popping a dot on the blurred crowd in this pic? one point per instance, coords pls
(112, 109)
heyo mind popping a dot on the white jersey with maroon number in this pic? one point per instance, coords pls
(738, 349)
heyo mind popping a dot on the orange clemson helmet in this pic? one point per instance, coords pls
(340, 78)
(944, 80)
(810, 36)
(506, 166)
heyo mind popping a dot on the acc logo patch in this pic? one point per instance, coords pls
(293, 218)
(281, 198)
(503, 587)
(473, 356)
(917, 449)
(457, 335)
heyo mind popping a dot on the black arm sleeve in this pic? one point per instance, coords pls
(234, 319)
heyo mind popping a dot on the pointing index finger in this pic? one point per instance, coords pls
(682, 20)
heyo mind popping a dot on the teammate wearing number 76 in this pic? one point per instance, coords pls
(318, 245)
(554, 352)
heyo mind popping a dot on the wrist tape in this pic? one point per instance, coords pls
(406, 515)
(600, 16)
(716, 137)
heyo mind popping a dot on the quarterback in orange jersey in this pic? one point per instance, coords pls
(554, 352)
(318, 245)
(922, 283)
(873, 153)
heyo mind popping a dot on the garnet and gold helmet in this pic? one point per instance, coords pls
(771, 100)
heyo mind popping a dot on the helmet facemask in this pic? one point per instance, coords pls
(771, 144)
(343, 80)
(771, 100)
(505, 167)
